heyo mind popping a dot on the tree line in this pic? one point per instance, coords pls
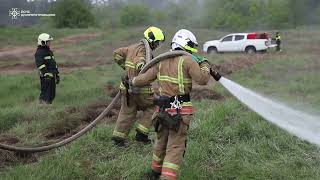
(218, 14)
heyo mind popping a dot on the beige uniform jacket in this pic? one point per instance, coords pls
(175, 75)
(131, 58)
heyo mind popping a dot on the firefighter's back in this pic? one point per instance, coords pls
(136, 54)
(175, 75)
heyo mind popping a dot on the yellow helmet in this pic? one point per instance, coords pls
(154, 34)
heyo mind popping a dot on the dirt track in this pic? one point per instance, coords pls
(20, 59)
(18, 51)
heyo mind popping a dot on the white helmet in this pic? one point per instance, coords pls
(43, 38)
(185, 40)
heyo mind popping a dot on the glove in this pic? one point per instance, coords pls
(48, 76)
(140, 65)
(57, 79)
(199, 59)
(215, 74)
(126, 81)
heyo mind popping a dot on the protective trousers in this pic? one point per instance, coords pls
(169, 149)
(48, 89)
(127, 115)
(278, 42)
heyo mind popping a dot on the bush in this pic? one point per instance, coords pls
(72, 14)
(133, 15)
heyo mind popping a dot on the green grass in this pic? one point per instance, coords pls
(27, 36)
(100, 47)
(226, 139)
(236, 143)
(21, 113)
(292, 79)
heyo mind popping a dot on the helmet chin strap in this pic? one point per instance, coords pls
(178, 49)
(154, 45)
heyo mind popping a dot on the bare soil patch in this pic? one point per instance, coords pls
(74, 119)
(239, 63)
(21, 54)
(8, 140)
(8, 158)
(17, 52)
(198, 94)
(24, 51)
(23, 68)
(79, 38)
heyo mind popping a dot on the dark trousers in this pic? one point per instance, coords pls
(278, 45)
(48, 90)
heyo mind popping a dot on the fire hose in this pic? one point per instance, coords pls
(149, 64)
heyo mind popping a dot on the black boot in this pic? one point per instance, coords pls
(140, 137)
(152, 175)
(118, 142)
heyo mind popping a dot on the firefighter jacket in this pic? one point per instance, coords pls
(132, 59)
(45, 62)
(175, 76)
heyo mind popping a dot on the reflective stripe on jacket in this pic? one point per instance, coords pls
(45, 61)
(132, 59)
(142, 90)
(175, 75)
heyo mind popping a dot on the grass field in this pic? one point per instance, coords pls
(226, 141)
(13, 36)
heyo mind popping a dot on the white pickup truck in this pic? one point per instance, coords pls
(239, 42)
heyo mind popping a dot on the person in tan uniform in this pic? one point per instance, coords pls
(132, 59)
(173, 107)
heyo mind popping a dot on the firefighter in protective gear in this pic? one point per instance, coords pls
(173, 107)
(278, 42)
(132, 59)
(48, 70)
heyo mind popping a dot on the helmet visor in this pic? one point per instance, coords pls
(191, 46)
(157, 44)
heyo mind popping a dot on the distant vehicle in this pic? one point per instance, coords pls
(239, 42)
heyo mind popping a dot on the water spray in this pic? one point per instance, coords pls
(300, 124)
